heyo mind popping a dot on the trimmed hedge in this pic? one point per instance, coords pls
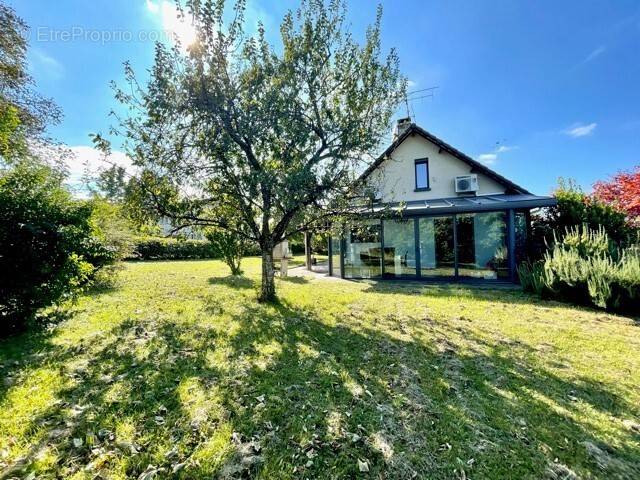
(160, 248)
(171, 249)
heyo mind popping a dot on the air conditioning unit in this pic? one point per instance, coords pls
(466, 183)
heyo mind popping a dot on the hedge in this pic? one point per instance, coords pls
(176, 249)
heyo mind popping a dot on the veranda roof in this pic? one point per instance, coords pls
(468, 204)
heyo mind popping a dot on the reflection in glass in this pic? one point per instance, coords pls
(521, 237)
(399, 248)
(335, 256)
(437, 256)
(363, 253)
(482, 250)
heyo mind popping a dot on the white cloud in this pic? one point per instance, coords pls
(594, 54)
(579, 130)
(488, 158)
(87, 160)
(505, 148)
(178, 26)
(46, 64)
(491, 158)
(411, 83)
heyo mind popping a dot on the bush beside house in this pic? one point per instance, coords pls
(586, 267)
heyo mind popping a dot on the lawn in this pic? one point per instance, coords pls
(179, 373)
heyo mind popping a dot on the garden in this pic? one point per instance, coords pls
(144, 332)
(176, 372)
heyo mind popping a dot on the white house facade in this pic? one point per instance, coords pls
(438, 214)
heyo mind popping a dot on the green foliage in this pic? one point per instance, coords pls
(160, 248)
(9, 122)
(49, 247)
(586, 267)
(275, 133)
(112, 183)
(113, 227)
(228, 246)
(576, 208)
(116, 231)
(24, 114)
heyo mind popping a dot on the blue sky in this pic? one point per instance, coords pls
(536, 90)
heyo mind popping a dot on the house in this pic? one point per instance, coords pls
(437, 214)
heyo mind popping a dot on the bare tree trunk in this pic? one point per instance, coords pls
(268, 286)
(307, 249)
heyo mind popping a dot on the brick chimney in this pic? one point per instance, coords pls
(402, 124)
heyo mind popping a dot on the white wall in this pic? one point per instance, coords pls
(395, 177)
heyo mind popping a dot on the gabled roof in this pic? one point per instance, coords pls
(476, 167)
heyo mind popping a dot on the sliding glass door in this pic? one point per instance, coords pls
(399, 254)
(363, 251)
(437, 253)
(482, 247)
(467, 245)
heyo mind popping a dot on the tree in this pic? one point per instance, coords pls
(112, 183)
(228, 246)
(49, 248)
(280, 131)
(622, 192)
(24, 114)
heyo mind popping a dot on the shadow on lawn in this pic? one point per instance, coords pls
(233, 281)
(301, 392)
(510, 292)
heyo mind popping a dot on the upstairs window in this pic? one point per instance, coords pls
(422, 174)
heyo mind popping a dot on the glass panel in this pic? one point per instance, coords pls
(422, 180)
(363, 252)
(399, 248)
(482, 250)
(437, 257)
(335, 256)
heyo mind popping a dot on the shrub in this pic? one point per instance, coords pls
(170, 248)
(586, 267)
(575, 208)
(177, 248)
(228, 246)
(49, 248)
(115, 230)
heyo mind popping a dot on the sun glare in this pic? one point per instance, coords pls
(178, 27)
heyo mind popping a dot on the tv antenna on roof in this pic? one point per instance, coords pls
(416, 95)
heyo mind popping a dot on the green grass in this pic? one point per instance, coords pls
(180, 369)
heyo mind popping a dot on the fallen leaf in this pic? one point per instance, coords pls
(149, 473)
(363, 465)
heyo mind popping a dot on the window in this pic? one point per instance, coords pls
(363, 252)
(422, 174)
(399, 254)
(482, 245)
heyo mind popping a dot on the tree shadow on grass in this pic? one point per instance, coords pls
(285, 392)
(489, 292)
(298, 280)
(233, 281)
